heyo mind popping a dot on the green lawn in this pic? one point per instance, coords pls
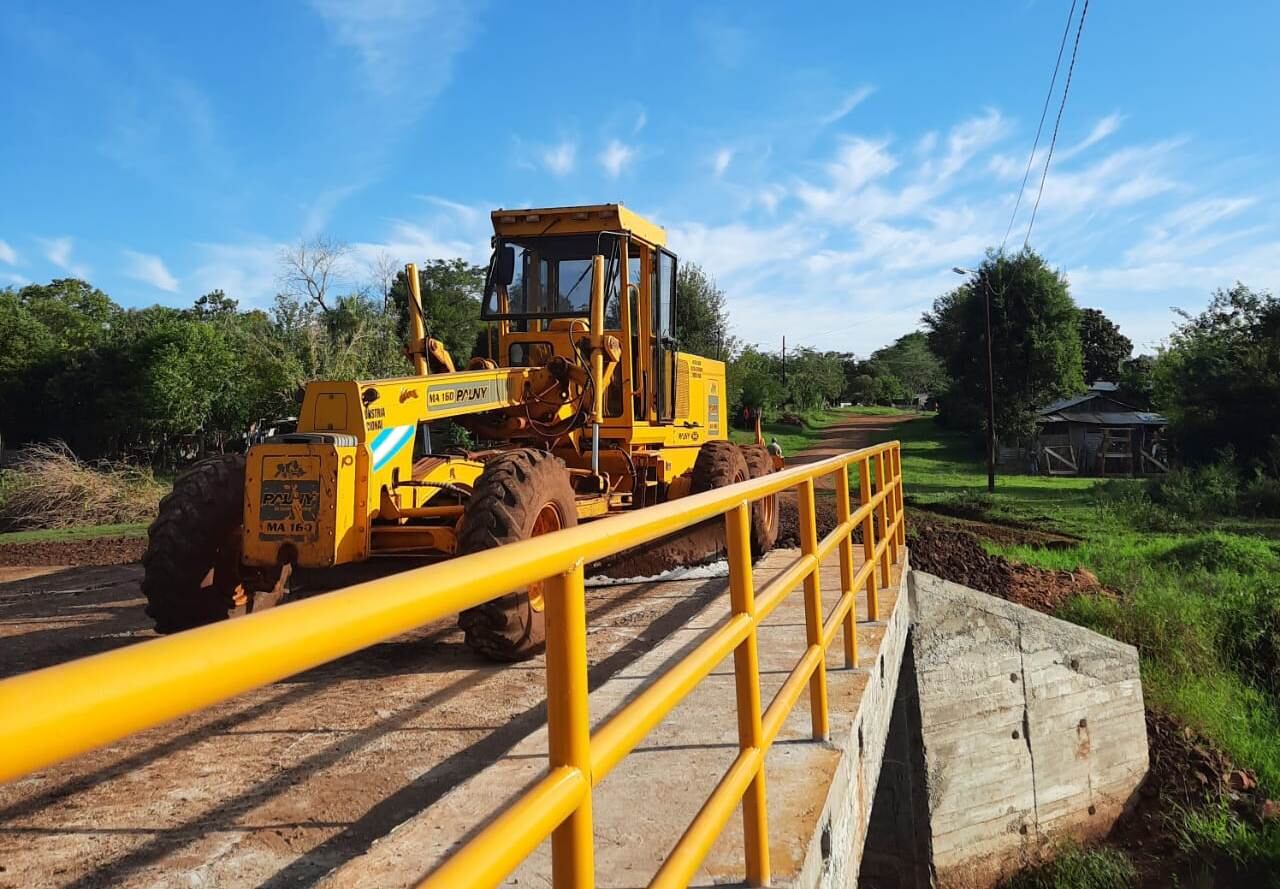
(1201, 603)
(792, 438)
(135, 529)
(944, 467)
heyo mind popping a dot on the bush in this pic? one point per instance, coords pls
(1206, 492)
(1131, 502)
(1215, 551)
(1260, 497)
(1076, 868)
(50, 487)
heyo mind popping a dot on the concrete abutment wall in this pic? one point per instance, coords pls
(1024, 731)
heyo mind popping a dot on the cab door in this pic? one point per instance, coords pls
(664, 335)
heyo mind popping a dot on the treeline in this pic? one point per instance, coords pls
(803, 379)
(164, 385)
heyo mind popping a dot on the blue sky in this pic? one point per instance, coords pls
(828, 163)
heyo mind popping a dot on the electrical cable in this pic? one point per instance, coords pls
(1066, 89)
(1048, 97)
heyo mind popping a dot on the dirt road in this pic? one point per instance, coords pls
(277, 787)
(847, 434)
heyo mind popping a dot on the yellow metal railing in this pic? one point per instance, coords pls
(53, 714)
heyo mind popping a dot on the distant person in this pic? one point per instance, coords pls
(775, 449)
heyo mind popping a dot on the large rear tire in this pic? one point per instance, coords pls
(764, 512)
(719, 463)
(191, 569)
(520, 494)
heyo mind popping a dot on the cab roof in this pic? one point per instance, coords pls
(532, 222)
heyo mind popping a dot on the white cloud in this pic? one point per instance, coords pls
(1105, 127)
(560, 159)
(245, 271)
(323, 207)
(616, 157)
(14, 279)
(770, 196)
(151, 270)
(721, 161)
(641, 119)
(850, 102)
(250, 271)
(403, 46)
(58, 251)
(8, 254)
(726, 249)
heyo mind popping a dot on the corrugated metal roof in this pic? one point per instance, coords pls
(1062, 403)
(1071, 401)
(1106, 418)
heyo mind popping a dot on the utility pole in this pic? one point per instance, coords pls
(784, 358)
(991, 381)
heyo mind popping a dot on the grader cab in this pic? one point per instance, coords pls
(581, 404)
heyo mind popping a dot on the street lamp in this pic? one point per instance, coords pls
(991, 383)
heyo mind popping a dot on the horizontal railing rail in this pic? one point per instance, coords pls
(56, 713)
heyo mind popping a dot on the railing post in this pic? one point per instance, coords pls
(886, 473)
(813, 609)
(868, 538)
(897, 475)
(746, 671)
(569, 722)
(890, 552)
(846, 570)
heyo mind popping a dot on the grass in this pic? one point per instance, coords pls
(88, 532)
(1076, 868)
(1200, 601)
(793, 439)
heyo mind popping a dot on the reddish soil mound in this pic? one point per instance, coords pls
(99, 551)
(957, 555)
(789, 519)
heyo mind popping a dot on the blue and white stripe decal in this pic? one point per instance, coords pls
(389, 442)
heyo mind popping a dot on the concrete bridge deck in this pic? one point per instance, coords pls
(819, 793)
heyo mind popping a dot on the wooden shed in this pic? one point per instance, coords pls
(1097, 434)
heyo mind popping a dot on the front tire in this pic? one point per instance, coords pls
(521, 494)
(191, 569)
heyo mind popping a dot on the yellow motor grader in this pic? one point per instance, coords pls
(582, 407)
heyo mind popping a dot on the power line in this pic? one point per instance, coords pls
(1066, 89)
(1062, 45)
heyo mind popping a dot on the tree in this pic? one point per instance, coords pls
(1105, 347)
(1035, 339)
(813, 378)
(451, 293)
(215, 304)
(1136, 381)
(914, 365)
(754, 381)
(1218, 380)
(310, 268)
(702, 321)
